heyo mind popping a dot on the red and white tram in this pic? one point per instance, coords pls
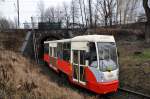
(89, 61)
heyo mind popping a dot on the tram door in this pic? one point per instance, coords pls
(79, 66)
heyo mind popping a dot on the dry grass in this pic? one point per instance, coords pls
(20, 78)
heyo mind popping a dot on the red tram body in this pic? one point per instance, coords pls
(89, 61)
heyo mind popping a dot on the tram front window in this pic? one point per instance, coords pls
(107, 56)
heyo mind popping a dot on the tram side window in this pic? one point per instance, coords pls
(46, 46)
(55, 51)
(82, 57)
(66, 51)
(60, 50)
(50, 51)
(75, 56)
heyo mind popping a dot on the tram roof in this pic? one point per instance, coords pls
(87, 38)
(94, 38)
(57, 41)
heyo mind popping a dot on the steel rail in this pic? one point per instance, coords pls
(135, 92)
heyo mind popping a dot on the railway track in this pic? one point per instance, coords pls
(145, 96)
(118, 95)
(124, 94)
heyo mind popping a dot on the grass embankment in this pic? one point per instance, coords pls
(144, 56)
(12, 40)
(135, 66)
(22, 79)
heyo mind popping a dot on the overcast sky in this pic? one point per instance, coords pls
(28, 8)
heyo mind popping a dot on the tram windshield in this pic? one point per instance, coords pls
(107, 56)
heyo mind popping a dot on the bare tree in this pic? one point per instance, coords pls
(74, 12)
(81, 10)
(66, 14)
(90, 12)
(4, 24)
(48, 15)
(118, 18)
(125, 10)
(52, 11)
(58, 14)
(96, 16)
(106, 10)
(147, 12)
(41, 9)
(53, 14)
(100, 7)
(111, 7)
(85, 13)
(132, 13)
(128, 10)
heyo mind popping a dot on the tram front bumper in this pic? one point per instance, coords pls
(104, 88)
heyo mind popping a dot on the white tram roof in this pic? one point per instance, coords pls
(57, 41)
(87, 38)
(94, 38)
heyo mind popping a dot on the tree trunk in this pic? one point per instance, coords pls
(110, 21)
(105, 21)
(90, 11)
(81, 11)
(85, 17)
(147, 25)
(147, 32)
